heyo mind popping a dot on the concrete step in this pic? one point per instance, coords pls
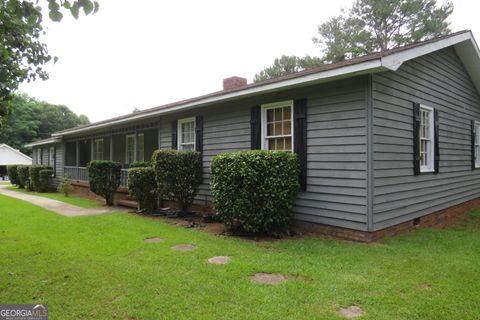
(127, 203)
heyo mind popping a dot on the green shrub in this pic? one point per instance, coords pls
(65, 186)
(143, 187)
(45, 179)
(178, 175)
(104, 178)
(255, 190)
(12, 173)
(23, 176)
(34, 177)
(140, 164)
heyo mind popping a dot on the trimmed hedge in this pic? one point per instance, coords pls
(143, 187)
(255, 190)
(12, 173)
(34, 177)
(45, 179)
(23, 176)
(104, 178)
(178, 175)
(140, 164)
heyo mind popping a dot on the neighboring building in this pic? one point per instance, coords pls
(382, 139)
(9, 156)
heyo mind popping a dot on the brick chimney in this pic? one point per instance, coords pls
(234, 82)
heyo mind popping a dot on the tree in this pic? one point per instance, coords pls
(22, 54)
(379, 25)
(32, 120)
(286, 65)
(369, 26)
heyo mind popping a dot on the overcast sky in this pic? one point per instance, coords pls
(145, 53)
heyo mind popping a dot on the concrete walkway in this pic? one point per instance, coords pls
(65, 209)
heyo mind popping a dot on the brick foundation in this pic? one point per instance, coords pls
(439, 219)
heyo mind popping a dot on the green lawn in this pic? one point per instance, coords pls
(71, 199)
(98, 267)
(4, 182)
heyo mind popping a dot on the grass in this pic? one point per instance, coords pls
(98, 267)
(71, 199)
(4, 182)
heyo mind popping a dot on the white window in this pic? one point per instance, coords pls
(98, 149)
(426, 139)
(130, 148)
(51, 157)
(140, 147)
(186, 134)
(277, 128)
(477, 144)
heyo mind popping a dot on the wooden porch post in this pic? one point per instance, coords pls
(111, 147)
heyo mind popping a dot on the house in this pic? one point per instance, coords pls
(9, 156)
(385, 141)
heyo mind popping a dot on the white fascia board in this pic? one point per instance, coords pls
(351, 70)
(395, 60)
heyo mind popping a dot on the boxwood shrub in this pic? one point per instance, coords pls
(143, 187)
(12, 173)
(45, 179)
(140, 164)
(178, 175)
(255, 190)
(34, 176)
(23, 176)
(104, 178)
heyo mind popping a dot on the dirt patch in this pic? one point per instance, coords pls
(153, 240)
(219, 260)
(351, 312)
(268, 278)
(184, 247)
(425, 286)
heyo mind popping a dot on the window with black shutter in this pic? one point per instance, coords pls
(174, 134)
(199, 133)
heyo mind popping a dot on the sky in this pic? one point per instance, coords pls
(146, 53)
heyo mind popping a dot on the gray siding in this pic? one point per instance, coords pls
(438, 80)
(336, 145)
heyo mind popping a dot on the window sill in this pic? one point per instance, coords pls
(427, 171)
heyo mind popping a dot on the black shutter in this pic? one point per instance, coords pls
(199, 134)
(174, 134)
(300, 136)
(436, 152)
(472, 137)
(41, 156)
(256, 128)
(416, 139)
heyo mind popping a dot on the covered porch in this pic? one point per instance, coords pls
(123, 147)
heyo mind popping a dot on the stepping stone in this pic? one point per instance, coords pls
(153, 240)
(219, 260)
(268, 278)
(184, 247)
(351, 312)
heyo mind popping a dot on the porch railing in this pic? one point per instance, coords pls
(80, 174)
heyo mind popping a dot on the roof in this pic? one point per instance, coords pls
(43, 142)
(463, 42)
(20, 158)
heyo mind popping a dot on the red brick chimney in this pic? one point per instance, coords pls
(234, 82)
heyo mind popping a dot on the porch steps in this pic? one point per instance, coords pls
(127, 203)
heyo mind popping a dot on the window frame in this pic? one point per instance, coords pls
(429, 167)
(477, 143)
(39, 156)
(180, 144)
(137, 153)
(274, 105)
(95, 151)
(51, 157)
(127, 136)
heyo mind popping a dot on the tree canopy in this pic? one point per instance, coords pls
(287, 64)
(22, 53)
(32, 120)
(371, 26)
